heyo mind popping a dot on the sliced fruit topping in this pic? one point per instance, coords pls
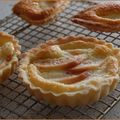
(75, 78)
(59, 64)
(79, 69)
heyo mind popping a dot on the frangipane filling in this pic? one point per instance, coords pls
(74, 62)
(43, 4)
(112, 15)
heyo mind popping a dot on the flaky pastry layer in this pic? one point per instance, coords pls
(73, 70)
(39, 12)
(102, 17)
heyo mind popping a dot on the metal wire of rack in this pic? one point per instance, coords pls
(16, 102)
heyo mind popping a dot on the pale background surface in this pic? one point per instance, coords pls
(5, 6)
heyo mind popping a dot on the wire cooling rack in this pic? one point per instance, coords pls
(16, 102)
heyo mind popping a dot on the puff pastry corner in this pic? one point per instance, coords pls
(102, 17)
(39, 12)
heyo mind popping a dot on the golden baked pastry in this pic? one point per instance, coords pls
(9, 51)
(74, 70)
(102, 17)
(39, 11)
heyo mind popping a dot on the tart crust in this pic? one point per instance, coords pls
(102, 17)
(38, 16)
(71, 91)
(10, 62)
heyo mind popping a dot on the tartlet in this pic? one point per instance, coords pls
(9, 52)
(39, 12)
(103, 17)
(73, 70)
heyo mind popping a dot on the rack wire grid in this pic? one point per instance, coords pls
(16, 102)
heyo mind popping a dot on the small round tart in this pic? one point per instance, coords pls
(38, 12)
(9, 52)
(74, 70)
(103, 17)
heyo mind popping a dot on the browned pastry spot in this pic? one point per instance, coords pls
(102, 17)
(39, 12)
